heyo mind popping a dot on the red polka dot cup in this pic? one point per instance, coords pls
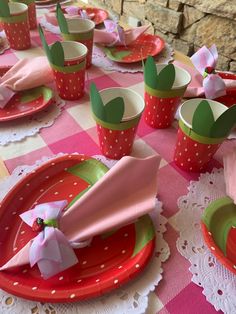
(70, 78)
(16, 26)
(31, 12)
(116, 140)
(193, 151)
(161, 105)
(81, 30)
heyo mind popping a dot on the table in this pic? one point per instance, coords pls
(75, 131)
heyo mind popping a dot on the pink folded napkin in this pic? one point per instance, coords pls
(123, 194)
(195, 88)
(25, 74)
(230, 174)
(114, 35)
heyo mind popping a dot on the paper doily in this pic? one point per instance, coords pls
(17, 130)
(219, 284)
(4, 45)
(132, 298)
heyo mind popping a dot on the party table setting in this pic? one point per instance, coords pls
(117, 167)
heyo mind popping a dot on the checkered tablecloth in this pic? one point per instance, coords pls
(75, 131)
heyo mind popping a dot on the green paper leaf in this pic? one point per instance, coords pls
(97, 103)
(62, 20)
(203, 119)
(4, 9)
(115, 55)
(114, 110)
(224, 124)
(57, 54)
(166, 78)
(45, 45)
(150, 73)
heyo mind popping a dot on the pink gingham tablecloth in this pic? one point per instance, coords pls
(75, 131)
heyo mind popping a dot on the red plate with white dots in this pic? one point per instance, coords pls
(230, 98)
(97, 15)
(145, 45)
(26, 103)
(111, 260)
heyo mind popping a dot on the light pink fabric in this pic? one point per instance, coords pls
(105, 38)
(195, 88)
(230, 174)
(123, 194)
(25, 74)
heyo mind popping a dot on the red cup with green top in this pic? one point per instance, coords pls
(31, 12)
(70, 78)
(193, 151)
(16, 26)
(81, 30)
(116, 139)
(161, 105)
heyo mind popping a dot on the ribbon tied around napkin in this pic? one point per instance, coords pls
(126, 192)
(205, 61)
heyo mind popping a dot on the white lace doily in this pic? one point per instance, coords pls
(130, 299)
(4, 45)
(17, 130)
(219, 284)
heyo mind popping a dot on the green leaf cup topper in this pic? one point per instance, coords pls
(203, 122)
(55, 52)
(4, 9)
(162, 81)
(62, 20)
(111, 112)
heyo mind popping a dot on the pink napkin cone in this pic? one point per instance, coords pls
(195, 88)
(25, 74)
(229, 174)
(112, 38)
(123, 194)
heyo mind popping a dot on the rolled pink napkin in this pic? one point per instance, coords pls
(124, 193)
(25, 74)
(230, 174)
(195, 88)
(114, 35)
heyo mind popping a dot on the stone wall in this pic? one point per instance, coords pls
(186, 24)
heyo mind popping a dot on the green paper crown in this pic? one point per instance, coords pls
(55, 53)
(203, 122)
(4, 9)
(62, 20)
(162, 81)
(112, 112)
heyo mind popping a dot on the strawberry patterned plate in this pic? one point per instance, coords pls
(97, 15)
(145, 45)
(27, 103)
(111, 260)
(219, 231)
(230, 98)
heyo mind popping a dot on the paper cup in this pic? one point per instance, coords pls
(81, 30)
(161, 105)
(16, 26)
(116, 140)
(70, 78)
(193, 151)
(31, 12)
